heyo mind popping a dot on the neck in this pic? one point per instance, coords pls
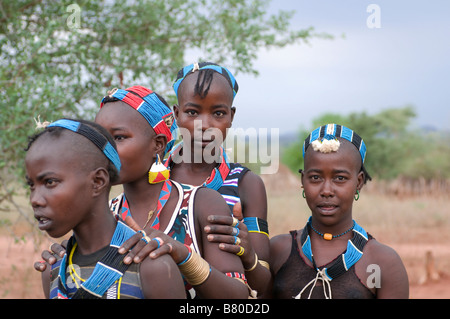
(194, 155)
(97, 232)
(340, 230)
(142, 193)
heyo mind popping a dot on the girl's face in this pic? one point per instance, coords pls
(61, 191)
(205, 118)
(330, 181)
(134, 139)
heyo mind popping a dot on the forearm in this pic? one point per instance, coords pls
(220, 286)
(210, 282)
(258, 276)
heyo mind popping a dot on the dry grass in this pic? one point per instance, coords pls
(387, 218)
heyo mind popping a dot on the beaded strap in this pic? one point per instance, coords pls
(352, 254)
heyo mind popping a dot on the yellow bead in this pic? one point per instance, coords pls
(327, 236)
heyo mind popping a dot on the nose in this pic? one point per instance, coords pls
(327, 189)
(204, 123)
(36, 199)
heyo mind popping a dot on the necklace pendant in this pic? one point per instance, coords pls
(150, 215)
(327, 236)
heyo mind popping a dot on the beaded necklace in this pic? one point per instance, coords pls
(107, 270)
(338, 266)
(328, 236)
(219, 173)
(352, 254)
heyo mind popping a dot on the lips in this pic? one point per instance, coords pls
(43, 222)
(203, 142)
(327, 208)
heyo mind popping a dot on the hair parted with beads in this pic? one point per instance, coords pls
(325, 139)
(206, 72)
(98, 135)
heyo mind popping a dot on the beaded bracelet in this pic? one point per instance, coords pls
(188, 256)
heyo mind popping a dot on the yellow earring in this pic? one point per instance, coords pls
(158, 172)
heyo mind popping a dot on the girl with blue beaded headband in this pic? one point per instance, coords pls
(333, 256)
(70, 168)
(205, 93)
(160, 208)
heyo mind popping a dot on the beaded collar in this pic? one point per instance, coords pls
(348, 258)
(107, 270)
(218, 174)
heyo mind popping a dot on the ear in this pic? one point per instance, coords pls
(360, 183)
(100, 181)
(160, 142)
(233, 111)
(176, 109)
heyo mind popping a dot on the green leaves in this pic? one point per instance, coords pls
(59, 58)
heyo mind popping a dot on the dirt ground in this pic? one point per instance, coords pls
(18, 279)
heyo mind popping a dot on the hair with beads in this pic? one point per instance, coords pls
(98, 135)
(206, 72)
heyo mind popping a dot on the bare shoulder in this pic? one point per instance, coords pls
(253, 183)
(210, 202)
(382, 267)
(381, 253)
(280, 248)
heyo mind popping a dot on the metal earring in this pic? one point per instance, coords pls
(303, 194)
(356, 197)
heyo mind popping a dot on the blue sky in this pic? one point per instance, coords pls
(406, 61)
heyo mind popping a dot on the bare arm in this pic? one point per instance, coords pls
(382, 271)
(161, 279)
(221, 262)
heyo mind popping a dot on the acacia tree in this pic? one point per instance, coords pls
(58, 58)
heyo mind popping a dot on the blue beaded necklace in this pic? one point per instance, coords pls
(348, 258)
(328, 236)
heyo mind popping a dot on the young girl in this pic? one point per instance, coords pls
(333, 256)
(142, 125)
(70, 168)
(205, 111)
(205, 93)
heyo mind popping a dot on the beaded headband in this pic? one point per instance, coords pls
(150, 106)
(202, 66)
(95, 137)
(324, 139)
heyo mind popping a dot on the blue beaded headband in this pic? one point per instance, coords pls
(201, 66)
(332, 131)
(99, 140)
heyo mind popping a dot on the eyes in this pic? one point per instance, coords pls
(319, 178)
(119, 137)
(195, 113)
(47, 182)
